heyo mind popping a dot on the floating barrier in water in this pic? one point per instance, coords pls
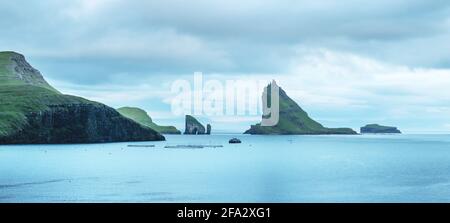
(214, 146)
(141, 146)
(193, 146)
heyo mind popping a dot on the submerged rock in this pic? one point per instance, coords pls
(375, 128)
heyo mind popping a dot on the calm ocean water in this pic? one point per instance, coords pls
(364, 168)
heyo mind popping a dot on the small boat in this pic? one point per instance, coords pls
(234, 140)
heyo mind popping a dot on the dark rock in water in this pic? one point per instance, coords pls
(234, 140)
(193, 127)
(33, 112)
(293, 120)
(375, 128)
(208, 129)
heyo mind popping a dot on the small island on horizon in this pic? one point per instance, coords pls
(379, 129)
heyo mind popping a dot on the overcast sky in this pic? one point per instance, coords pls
(347, 63)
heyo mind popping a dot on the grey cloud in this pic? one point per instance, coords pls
(87, 45)
(295, 20)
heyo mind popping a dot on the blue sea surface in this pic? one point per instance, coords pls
(360, 168)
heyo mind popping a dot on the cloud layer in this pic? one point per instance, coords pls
(381, 61)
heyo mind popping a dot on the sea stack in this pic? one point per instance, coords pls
(379, 129)
(193, 126)
(208, 129)
(293, 120)
(33, 112)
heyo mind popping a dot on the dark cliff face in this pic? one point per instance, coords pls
(79, 123)
(193, 127)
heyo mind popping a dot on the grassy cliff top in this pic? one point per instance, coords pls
(18, 100)
(137, 114)
(5, 69)
(140, 116)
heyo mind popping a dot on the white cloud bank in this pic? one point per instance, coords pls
(368, 90)
(351, 80)
(338, 88)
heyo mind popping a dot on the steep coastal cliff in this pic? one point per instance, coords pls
(32, 111)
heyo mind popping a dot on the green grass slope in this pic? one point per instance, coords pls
(15, 70)
(18, 100)
(141, 117)
(6, 76)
